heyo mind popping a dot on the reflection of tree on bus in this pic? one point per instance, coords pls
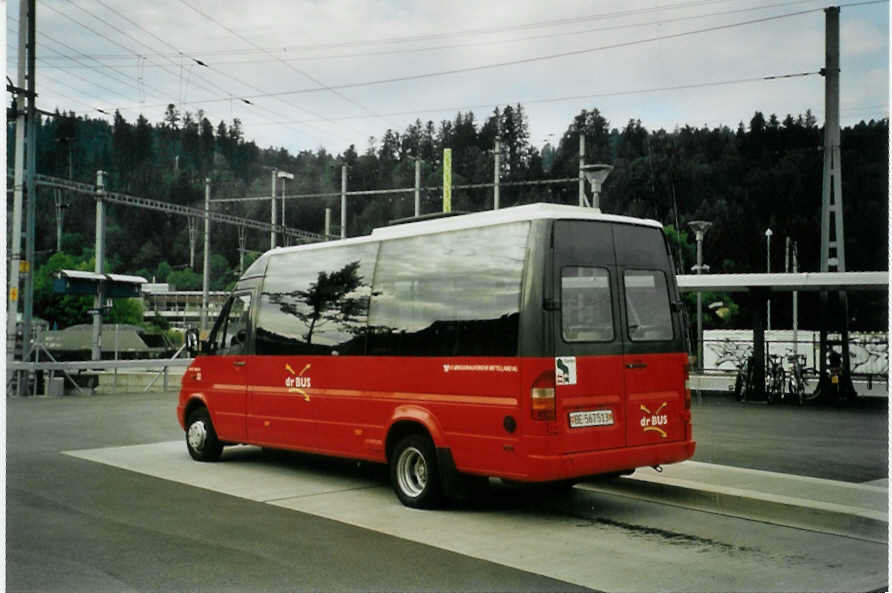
(327, 299)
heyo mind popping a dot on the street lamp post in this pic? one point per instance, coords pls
(283, 176)
(768, 234)
(699, 227)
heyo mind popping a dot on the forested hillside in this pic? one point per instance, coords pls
(765, 173)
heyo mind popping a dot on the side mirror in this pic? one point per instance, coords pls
(193, 345)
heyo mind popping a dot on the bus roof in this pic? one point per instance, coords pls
(483, 219)
(458, 222)
(512, 214)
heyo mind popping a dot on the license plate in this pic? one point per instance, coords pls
(592, 418)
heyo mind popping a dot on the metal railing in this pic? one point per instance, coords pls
(72, 369)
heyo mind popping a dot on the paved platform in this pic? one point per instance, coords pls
(829, 506)
(609, 541)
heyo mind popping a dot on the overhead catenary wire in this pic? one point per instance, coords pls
(69, 17)
(596, 95)
(142, 106)
(193, 59)
(276, 118)
(533, 59)
(496, 41)
(289, 66)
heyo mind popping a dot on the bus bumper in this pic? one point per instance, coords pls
(548, 468)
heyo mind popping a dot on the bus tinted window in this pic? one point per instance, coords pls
(647, 306)
(586, 312)
(421, 308)
(316, 302)
(230, 333)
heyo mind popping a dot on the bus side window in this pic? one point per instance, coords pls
(234, 329)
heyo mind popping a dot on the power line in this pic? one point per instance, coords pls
(476, 44)
(538, 58)
(231, 95)
(191, 58)
(289, 66)
(495, 30)
(125, 34)
(595, 96)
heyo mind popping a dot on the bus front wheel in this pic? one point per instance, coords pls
(414, 474)
(201, 438)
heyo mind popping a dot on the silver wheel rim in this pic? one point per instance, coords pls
(411, 472)
(197, 435)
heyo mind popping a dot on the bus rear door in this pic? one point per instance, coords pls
(655, 356)
(589, 378)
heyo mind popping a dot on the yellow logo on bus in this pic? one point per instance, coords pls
(297, 383)
(654, 420)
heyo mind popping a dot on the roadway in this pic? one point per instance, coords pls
(101, 496)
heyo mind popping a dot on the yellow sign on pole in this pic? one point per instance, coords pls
(24, 266)
(13, 294)
(447, 180)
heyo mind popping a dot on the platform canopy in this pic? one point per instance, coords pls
(802, 281)
(86, 283)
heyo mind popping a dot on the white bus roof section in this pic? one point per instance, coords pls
(467, 221)
(812, 281)
(504, 215)
(96, 277)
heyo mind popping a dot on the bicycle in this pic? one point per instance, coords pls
(774, 379)
(796, 381)
(743, 384)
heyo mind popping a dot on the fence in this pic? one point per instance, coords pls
(723, 350)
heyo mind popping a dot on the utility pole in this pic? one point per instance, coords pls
(344, 201)
(795, 301)
(100, 255)
(700, 227)
(242, 242)
(283, 175)
(497, 153)
(30, 186)
(192, 224)
(206, 274)
(272, 219)
(417, 188)
(447, 180)
(833, 255)
(582, 200)
(26, 11)
(768, 234)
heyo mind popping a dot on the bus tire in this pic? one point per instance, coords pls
(201, 438)
(414, 473)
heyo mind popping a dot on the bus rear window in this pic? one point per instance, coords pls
(647, 306)
(586, 312)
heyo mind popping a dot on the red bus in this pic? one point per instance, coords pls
(536, 343)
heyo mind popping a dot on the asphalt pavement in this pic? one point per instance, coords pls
(76, 525)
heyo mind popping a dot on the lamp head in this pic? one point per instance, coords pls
(596, 174)
(699, 227)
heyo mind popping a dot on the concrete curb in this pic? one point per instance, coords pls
(801, 513)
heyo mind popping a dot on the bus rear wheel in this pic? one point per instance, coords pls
(201, 438)
(414, 474)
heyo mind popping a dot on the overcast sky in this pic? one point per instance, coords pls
(330, 73)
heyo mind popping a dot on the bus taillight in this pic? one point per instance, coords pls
(542, 397)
